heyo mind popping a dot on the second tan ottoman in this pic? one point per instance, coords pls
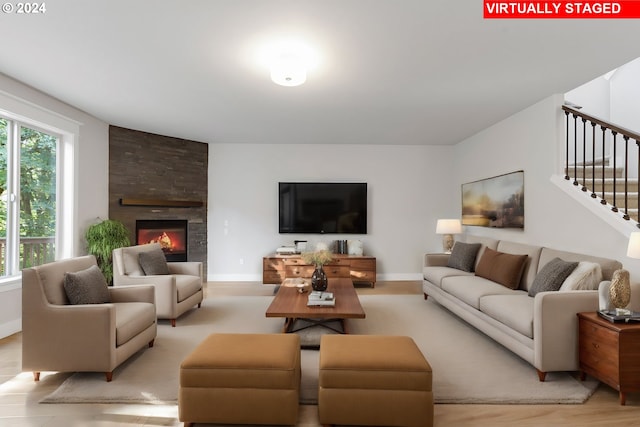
(241, 379)
(374, 380)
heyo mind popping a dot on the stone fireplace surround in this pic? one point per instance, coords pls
(155, 177)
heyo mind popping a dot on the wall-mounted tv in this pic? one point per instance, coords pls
(322, 207)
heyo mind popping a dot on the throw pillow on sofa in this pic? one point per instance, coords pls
(551, 276)
(463, 256)
(86, 286)
(501, 267)
(153, 262)
(586, 276)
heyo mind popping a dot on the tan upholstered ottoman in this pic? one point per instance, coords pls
(241, 379)
(374, 380)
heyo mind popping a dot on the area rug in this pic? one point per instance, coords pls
(468, 367)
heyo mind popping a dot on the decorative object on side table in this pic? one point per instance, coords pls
(620, 291)
(318, 258)
(448, 227)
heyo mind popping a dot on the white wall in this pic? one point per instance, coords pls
(528, 140)
(91, 189)
(409, 188)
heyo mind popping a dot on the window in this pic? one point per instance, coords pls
(28, 196)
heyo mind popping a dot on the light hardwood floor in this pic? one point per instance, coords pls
(19, 395)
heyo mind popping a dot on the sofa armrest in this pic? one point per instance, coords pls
(133, 293)
(191, 268)
(555, 328)
(75, 331)
(436, 260)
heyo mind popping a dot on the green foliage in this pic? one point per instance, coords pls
(102, 238)
(37, 182)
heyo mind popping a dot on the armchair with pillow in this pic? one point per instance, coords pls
(178, 285)
(73, 322)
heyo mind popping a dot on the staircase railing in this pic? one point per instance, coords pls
(590, 170)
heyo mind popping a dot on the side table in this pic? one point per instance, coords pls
(610, 352)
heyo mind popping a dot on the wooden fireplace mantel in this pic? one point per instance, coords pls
(162, 203)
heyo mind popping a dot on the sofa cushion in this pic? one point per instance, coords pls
(514, 310)
(530, 266)
(86, 286)
(187, 285)
(130, 258)
(469, 289)
(552, 275)
(463, 256)
(435, 275)
(133, 318)
(607, 265)
(586, 276)
(153, 262)
(505, 269)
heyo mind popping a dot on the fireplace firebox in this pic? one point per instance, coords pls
(172, 235)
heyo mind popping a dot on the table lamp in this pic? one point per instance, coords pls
(633, 249)
(448, 227)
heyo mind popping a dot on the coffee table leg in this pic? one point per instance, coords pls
(343, 323)
(288, 324)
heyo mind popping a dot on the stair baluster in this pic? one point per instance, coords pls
(626, 178)
(593, 163)
(603, 201)
(614, 208)
(610, 171)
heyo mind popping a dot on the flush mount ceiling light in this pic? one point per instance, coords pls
(288, 70)
(289, 61)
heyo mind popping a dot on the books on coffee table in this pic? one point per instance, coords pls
(321, 299)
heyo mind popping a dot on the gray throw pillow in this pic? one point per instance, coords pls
(153, 262)
(463, 256)
(87, 286)
(552, 275)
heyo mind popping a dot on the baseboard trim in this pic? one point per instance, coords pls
(10, 328)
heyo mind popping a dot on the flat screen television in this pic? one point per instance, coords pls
(322, 207)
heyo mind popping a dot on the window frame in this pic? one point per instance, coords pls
(21, 112)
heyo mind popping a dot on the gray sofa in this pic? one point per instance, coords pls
(541, 329)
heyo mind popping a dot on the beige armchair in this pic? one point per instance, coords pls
(60, 336)
(176, 292)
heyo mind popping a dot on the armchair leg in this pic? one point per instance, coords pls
(151, 343)
(199, 304)
(36, 376)
(109, 376)
(541, 375)
(173, 323)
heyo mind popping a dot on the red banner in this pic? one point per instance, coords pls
(629, 9)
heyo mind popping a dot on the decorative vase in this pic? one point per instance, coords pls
(319, 279)
(620, 289)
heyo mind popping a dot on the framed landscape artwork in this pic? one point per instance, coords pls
(494, 202)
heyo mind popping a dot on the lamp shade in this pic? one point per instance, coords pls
(633, 250)
(448, 226)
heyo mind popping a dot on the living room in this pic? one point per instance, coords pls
(411, 183)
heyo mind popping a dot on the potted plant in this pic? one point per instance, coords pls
(318, 258)
(102, 238)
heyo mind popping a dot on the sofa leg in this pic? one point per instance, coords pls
(199, 304)
(108, 376)
(36, 375)
(426, 296)
(187, 424)
(541, 375)
(151, 343)
(173, 323)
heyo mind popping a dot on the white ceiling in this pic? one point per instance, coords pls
(390, 71)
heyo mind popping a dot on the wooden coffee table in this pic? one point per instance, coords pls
(292, 305)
